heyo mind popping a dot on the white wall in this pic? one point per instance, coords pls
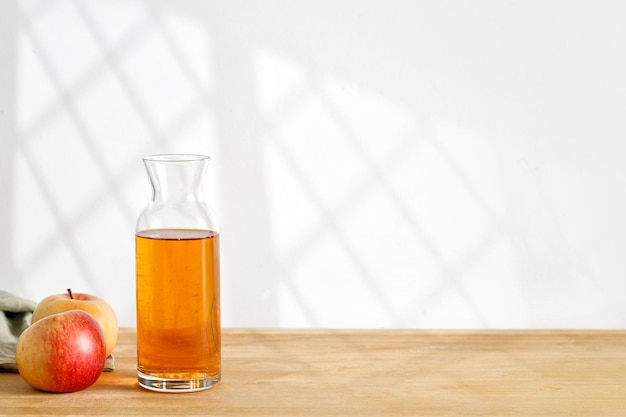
(374, 163)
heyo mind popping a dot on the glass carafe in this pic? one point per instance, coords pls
(177, 279)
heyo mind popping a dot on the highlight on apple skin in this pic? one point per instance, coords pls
(63, 352)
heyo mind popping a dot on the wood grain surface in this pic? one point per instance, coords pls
(369, 372)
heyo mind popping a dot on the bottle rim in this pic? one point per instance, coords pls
(176, 157)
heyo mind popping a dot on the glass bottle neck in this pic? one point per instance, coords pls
(177, 199)
(176, 179)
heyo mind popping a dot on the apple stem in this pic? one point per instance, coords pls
(69, 290)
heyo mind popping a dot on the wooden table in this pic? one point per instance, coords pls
(368, 372)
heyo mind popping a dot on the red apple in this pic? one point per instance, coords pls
(64, 352)
(97, 307)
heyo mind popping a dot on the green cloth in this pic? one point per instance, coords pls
(15, 318)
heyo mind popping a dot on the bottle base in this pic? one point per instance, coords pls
(161, 384)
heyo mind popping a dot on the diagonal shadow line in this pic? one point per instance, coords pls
(465, 264)
(202, 96)
(242, 176)
(84, 215)
(464, 180)
(112, 61)
(113, 181)
(38, 9)
(97, 70)
(112, 57)
(451, 273)
(69, 105)
(358, 190)
(67, 101)
(291, 106)
(86, 81)
(179, 58)
(396, 198)
(64, 225)
(401, 151)
(328, 219)
(305, 309)
(134, 97)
